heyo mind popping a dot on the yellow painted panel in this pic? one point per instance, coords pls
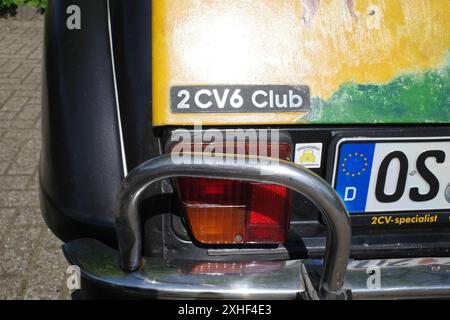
(323, 44)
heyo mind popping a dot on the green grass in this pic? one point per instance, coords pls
(7, 4)
(35, 3)
(411, 98)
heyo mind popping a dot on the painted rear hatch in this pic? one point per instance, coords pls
(362, 62)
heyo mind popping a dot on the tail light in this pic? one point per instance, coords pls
(236, 212)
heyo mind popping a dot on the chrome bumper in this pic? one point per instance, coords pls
(127, 270)
(415, 278)
(100, 264)
(424, 278)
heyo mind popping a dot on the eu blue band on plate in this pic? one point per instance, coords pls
(353, 174)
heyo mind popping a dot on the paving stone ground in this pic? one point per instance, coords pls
(31, 262)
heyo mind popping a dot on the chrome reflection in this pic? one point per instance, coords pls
(229, 268)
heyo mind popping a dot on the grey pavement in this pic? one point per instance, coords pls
(32, 265)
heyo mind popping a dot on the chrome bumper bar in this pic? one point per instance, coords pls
(397, 278)
(414, 278)
(127, 270)
(257, 169)
(99, 263)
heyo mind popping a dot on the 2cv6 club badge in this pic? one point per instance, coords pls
(242, 99)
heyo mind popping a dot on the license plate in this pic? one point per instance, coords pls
(389, 175)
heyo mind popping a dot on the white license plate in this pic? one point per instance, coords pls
(393, 174)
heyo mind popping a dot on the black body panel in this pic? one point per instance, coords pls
(131, 29)
(81, 163)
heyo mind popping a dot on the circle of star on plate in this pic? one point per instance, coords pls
(355, 164)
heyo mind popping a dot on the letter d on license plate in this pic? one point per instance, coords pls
(393, 174)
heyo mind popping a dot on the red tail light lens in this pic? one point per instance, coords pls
(269, 208)
(212, 191)
(235, 212)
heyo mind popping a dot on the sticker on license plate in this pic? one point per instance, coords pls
(393, 175)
